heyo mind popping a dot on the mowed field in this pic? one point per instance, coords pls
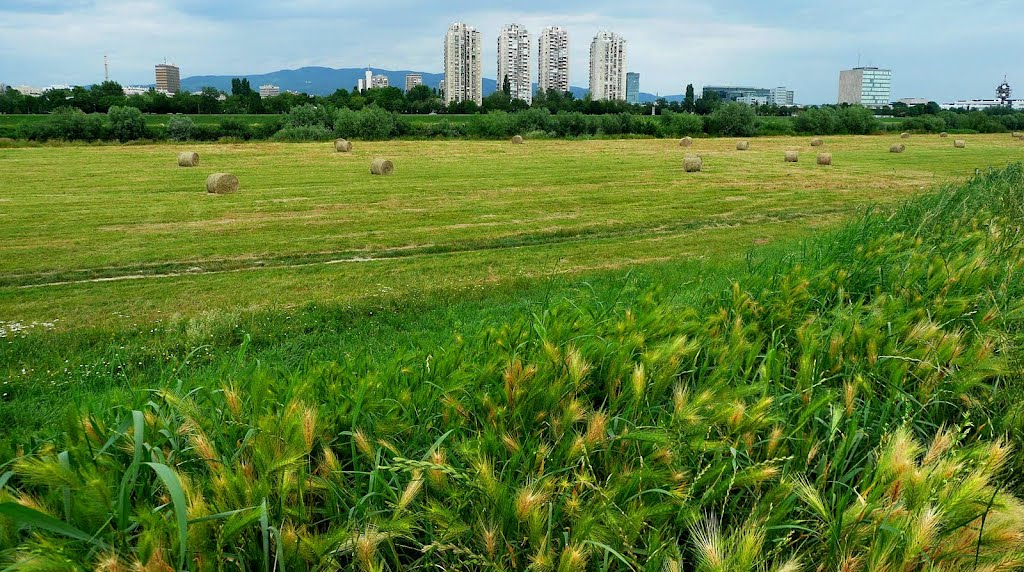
(103, 235)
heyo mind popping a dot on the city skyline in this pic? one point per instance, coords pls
(47, 42)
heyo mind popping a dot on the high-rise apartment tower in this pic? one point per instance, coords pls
(168, 78)
(463, 65)
(608, 67)
(553, 60)
(514, 61)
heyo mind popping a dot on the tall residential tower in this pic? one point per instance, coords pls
(514, 61)
(168, 78)
(463, 65)
(608, 67)
(553, 60)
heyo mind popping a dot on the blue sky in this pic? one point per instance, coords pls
(938, 49)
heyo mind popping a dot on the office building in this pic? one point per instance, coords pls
(379, 81)
(29, 90)
(168, 78)
(269, 91)
(608, 67)
(870, 87)
(514, 62)
(412, 80)
(463, 65)
(632, 88)
(134, 90)
(782, 97)
(553, 60)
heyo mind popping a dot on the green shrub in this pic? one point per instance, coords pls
(305, 133)
(181, 128)
(235, 129)
(308, 115)
(774, 126)
(126, 123)
(732, 120)
(816, 121)
(681, 124)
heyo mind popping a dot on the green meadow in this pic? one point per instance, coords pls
(564, 355)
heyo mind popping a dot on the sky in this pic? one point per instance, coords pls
(938, 49)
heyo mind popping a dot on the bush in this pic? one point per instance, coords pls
(370, 123)
(235, 129)
(126, 123)
(181, 128)
(732, 120)
(681, 124)
(308, 115)
(816, 121)
(68, 124)
(856, 120)
(303, 134)
(446, 129)
(774, 126)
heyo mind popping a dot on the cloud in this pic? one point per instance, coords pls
(951, 48)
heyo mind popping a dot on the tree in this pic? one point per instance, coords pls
(707, 103)
(506, 86)
(181, 128)
(240, 86)
(732, 119)
(689, 102)
(126, 123)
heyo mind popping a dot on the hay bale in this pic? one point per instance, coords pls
(381, 167)
(693, 163)
(943, 134)
(1018, 135)
(897, 148)
(825, 159)
(817, 142)
(743, 145)
(904, 135)
(190, 159)
(792, 156)
(221, 183)
(960, 144)
(517, 140)
(686, 142)
(342, 146)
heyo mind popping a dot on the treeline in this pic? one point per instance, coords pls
(310, 122)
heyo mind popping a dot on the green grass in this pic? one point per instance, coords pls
(852, 401)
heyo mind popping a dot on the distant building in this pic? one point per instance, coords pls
(608, 67)
(553, 60)
(514, 62)
(632, 88)
(463, 65)
(380, 81)
(1003, 99)
(168, 78)
(870, 87)
(269, 91)
(782, 97)
(728, 93)
(29, 90)
(412, 80)
(3, 88)
(361, 85)
(912, 101)
(134, 90)
(367, 79)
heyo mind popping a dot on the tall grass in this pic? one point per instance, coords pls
(854, 406)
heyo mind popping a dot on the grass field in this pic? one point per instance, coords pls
(109, 235)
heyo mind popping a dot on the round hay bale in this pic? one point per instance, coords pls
(792, 156)
(943, 134)
(904, 135)
(190, 159)
(517, 140)
(342, 146)
(686, 142)
(825, 159)
(817, 142)
(221, 183)
(381, 167)
(960, 144)
(693, 163)
(743, 145)
(897, 148)
(1018, 135)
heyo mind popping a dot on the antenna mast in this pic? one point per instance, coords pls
(106, 68)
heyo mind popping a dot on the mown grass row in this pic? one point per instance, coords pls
(855, 406)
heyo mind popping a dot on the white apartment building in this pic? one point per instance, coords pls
(781, 96)
(269, 91)
(514, 61)
(553, 59)
(463, 65)
(379, 81)
(608, 67)
(412, 80)
(134, 90)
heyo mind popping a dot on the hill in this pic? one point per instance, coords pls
(325, 81)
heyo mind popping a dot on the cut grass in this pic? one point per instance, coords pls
(462, 213)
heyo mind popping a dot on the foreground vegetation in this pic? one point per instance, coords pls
(854, 405)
